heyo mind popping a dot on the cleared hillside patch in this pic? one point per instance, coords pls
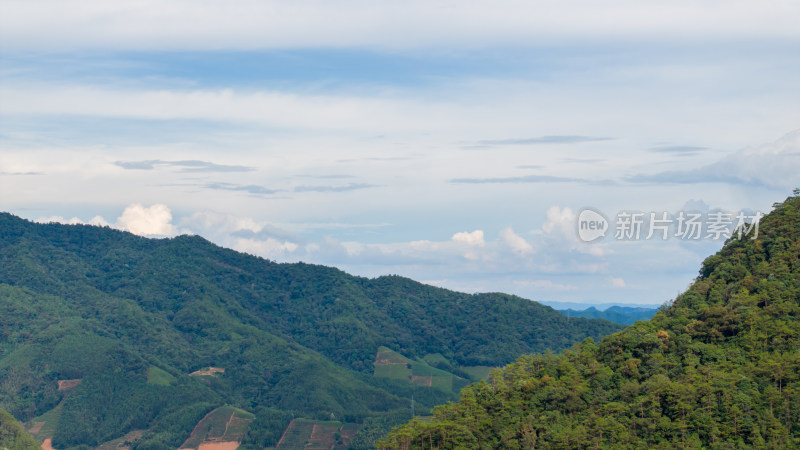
(390, 364)
(66, 385)
(296, 435)
(208, 372)
(224, 425)
(159, 377)
(323, 436)
(44, 426)
(306, 434)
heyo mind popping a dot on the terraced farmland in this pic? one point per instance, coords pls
(305, 434)
(220, 428)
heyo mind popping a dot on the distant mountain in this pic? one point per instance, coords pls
(620, 314)
(602, 306)
(718, 369)
(106, 336)
(13, 436)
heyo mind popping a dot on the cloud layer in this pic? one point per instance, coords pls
(775, 165)
(251, 24)
(449, 142)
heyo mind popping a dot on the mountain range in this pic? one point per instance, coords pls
(109, 339)
(627, 315)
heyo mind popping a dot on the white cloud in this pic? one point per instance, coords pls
(560, 222)
(211, 221)
(516, 243)
(155, 220)
(268, 248)
(595, 249)
(474, 238)
(97, 221)
(618, 282)
(280, 109)
(137, 219)
(774, 165)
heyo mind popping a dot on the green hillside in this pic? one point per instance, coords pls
(132, 318)
(13, 436)
(719, 369)
(390, 364)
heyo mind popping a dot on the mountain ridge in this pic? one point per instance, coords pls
(295, 340)
(626, 315)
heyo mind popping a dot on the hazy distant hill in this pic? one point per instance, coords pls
(719, 368)
(105, 335)
(627, 315)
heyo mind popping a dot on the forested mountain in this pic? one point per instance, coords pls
(718, 368)
(627, 315)
(100, 331)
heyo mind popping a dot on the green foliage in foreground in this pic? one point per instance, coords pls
(719, 368)
(132, 317)
(13, 436)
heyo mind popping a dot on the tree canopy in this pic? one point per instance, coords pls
(718, 368)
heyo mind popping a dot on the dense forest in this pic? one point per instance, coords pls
(100, 329)
(719, 368)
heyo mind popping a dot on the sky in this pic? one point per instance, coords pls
(455, 143)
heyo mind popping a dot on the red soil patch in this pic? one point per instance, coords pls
(232, 445)
(210, 372)
(65, 385)
(48, 444)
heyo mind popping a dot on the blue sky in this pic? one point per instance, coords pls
(451, 142)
